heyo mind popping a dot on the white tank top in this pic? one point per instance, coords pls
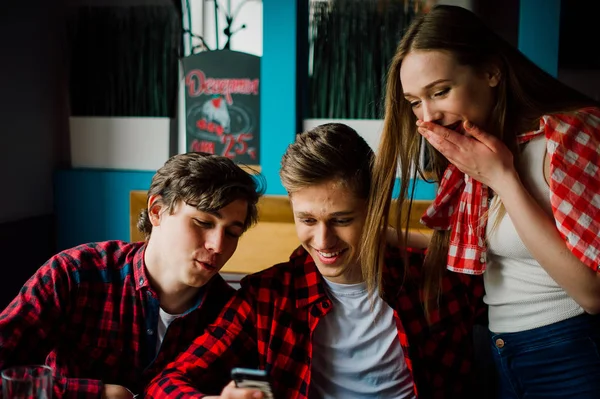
(356, 350)
(519, 292)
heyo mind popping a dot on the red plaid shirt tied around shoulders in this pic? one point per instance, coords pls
(91, 315)
(573, 145)
(269, 323)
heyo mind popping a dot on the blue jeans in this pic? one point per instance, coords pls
(561, 360)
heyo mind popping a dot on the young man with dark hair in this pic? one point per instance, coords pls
(107, 316)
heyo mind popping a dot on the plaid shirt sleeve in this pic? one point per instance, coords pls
(28, 325)
(204, 367)
(574, 148)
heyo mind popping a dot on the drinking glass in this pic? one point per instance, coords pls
(27, 382)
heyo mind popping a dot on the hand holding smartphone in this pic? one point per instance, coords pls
(252, 378)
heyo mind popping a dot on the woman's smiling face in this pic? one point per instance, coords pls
(444, 92)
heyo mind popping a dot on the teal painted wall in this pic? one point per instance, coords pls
(93, 205)
(278, 92)
(539, 29)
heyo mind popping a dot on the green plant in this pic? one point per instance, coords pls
(352, 43)
(124, 60)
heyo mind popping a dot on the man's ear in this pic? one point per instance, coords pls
(155, 209)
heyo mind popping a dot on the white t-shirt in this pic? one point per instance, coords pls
(356, 350)
(164, 319)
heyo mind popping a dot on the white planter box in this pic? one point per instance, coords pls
(132, 143)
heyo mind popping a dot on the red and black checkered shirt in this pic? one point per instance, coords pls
(91, 315)
(269, 323)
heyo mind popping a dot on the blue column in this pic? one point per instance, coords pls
(278, 93)
(539, 28)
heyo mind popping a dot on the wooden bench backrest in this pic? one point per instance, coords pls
(270, 242)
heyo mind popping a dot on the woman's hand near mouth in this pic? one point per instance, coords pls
(476, 153)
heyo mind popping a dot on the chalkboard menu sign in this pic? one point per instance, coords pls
(222, 103)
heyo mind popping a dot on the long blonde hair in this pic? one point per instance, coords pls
(525, 93)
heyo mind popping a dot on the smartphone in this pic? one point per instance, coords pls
(252, 378)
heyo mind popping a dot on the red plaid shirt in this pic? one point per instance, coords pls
(91, 315)
(270, 321)
(573, 143)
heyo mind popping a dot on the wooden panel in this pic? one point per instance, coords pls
(251, 169)
(417, 209)
(137, 202)
(263, 246)
(275, 208)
